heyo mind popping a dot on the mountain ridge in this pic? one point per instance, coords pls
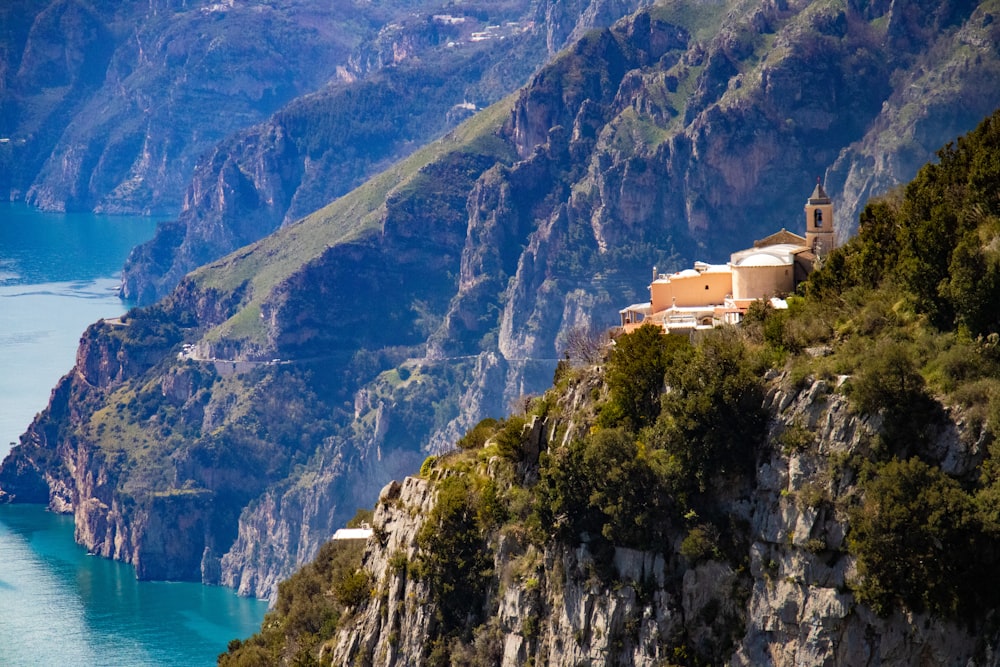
(447, 287)
(816, 485)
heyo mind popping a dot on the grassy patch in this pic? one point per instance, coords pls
(272, 260)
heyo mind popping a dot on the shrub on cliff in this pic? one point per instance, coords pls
(635, 375)
(477, 436)
(888, 384)
(510, 437)
(919, 541)
(608, 486)
(453, 559)
(309, 607)
(713, 419)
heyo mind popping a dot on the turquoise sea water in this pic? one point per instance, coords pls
(59, 606)
(58, 273)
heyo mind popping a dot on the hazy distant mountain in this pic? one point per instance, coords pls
(108, 106)
(442, 289)
(404, 85)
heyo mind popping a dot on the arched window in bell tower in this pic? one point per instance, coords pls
(818, 218)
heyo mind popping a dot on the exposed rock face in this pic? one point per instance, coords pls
(320, 146)
(398, 514)
(792, 606)
(399, 325)
(112, 105)
(111, 108)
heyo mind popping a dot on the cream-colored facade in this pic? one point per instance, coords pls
(710, 294)
(691, 287)
(819, 222)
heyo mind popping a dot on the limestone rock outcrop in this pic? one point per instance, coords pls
(786, 601)
(279, 387)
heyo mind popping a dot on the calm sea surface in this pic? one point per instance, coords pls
(59, 606)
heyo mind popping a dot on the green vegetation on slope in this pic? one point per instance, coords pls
(309, 607)
(260, 268)
(657, 474)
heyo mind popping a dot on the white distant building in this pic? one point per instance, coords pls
(362, 533)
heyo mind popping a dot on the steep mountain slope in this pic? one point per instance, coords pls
(817, 486)
(868, 91)
(109, 106)
(421, 76)
(285, 383)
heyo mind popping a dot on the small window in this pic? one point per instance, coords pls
(818, 217)
(706, 286)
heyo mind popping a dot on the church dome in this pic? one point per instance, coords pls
(761, 259)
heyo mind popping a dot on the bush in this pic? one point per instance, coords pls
(428, 465)
(635, 376)
(510, 438)
(713, 418)
(605, 485)
(888, 382)
(889, 385)
(477, 436)
(918, 541)
(352, 588)
(701, 544)
(453, 555)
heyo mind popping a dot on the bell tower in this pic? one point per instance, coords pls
(819, 222)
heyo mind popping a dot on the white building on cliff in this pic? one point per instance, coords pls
(711, 294)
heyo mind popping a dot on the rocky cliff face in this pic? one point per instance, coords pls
(403, 86)
(282, 385)
(111, 106)
(786, 601)
(111, 109)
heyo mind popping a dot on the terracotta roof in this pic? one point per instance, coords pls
(784, 236)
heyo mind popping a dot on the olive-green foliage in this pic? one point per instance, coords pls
(477, 436)
(453, 557)
(988, 495)
(510, 437)
(764, 323)
(151, 330)
(918, 540)
(310, 604)
(353, 588)
(635, 375)
(713, 419)
(973, 287)
(701, 544)
(887, 380)
(863, 262)
(608, 486)
(887, 383)
(428, 465)
(962, 363)
(936, 240)
(796, 438)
